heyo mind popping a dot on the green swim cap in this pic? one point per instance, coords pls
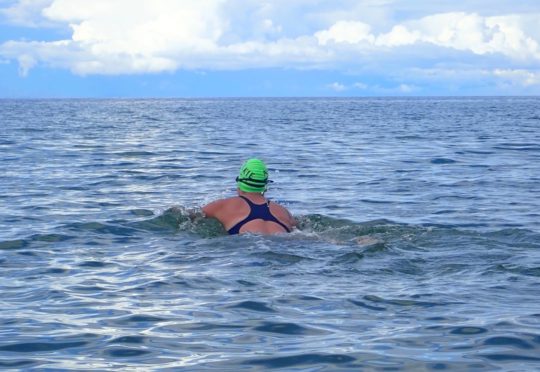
(253, 176)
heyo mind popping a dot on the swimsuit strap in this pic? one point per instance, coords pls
(256, 212)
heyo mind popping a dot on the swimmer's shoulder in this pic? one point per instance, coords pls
(222, 206)
(282, 214)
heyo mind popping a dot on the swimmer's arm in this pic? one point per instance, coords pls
(287, 216)
(195, 214)
(212, 210)
(292, 220)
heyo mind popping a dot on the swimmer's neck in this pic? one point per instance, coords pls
(253, 196)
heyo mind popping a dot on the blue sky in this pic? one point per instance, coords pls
(221, 48)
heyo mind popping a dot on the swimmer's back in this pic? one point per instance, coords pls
(232, 211)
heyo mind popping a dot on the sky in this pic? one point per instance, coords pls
(275, 48)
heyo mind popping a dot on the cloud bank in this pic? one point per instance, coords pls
(112, 37)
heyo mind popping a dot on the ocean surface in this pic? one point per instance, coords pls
(418, 244)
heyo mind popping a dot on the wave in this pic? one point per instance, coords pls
(377, 234)
(182, 219)
(179, 219)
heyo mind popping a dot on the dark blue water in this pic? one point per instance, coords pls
(418, 247)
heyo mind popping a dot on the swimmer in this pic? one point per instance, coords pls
(250, 211)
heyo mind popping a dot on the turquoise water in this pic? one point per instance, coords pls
(418, 247)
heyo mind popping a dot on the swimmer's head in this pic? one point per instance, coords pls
(253, 176)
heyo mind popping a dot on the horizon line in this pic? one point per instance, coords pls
(29, 98)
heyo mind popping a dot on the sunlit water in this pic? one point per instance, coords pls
(418, 247)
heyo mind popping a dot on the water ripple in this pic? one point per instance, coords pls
(301, 360)
(417, 248)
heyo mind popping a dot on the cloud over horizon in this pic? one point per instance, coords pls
(118, 37)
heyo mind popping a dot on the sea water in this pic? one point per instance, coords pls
(418, 244)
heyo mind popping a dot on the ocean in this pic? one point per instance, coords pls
(418, 245)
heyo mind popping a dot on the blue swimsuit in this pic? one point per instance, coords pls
(257, 212)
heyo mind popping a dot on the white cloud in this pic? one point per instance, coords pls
(345, 32)
(521, 77)
(105, 27)
(268, 26)
(360, 85)
(137, 36)
(406, 88)
(399, 35)
(480, 35)
(26, 62)
(461, 31)
(338, 87)
(123, 36)
(26, 12)
(400, 89)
